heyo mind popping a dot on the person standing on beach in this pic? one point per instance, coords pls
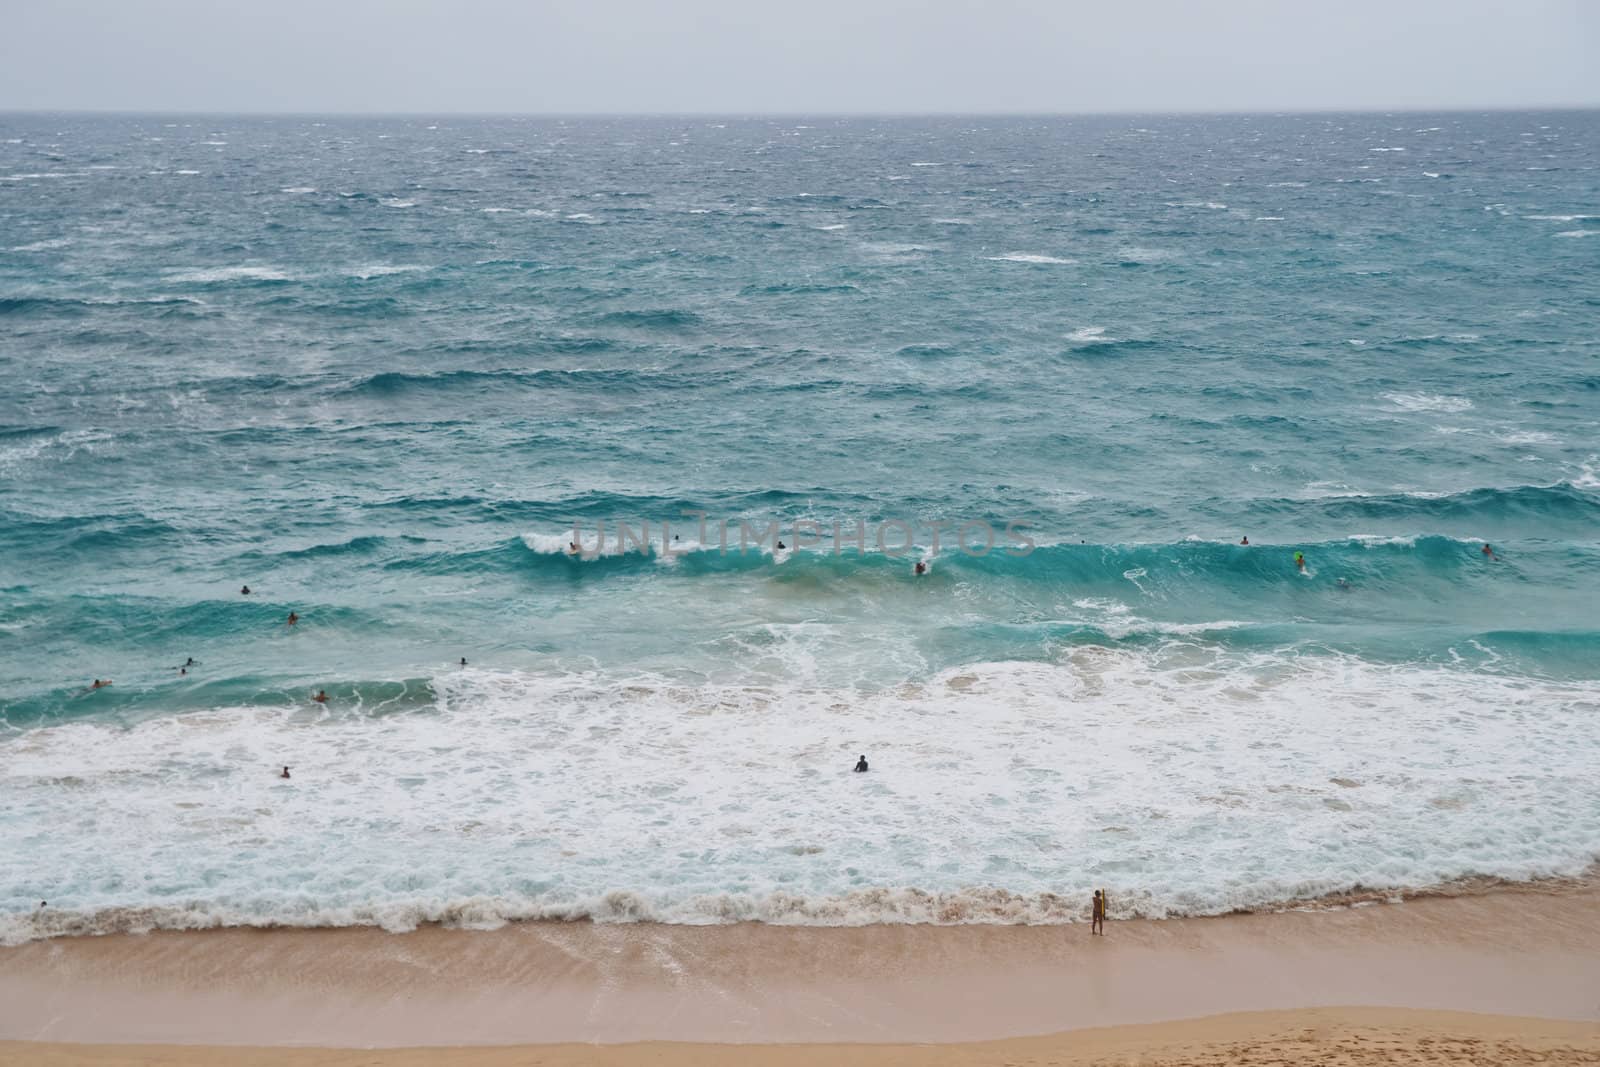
(1097, 924)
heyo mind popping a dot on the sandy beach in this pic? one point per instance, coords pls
(1351, 1037)
(585, 993)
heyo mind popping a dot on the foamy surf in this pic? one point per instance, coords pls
(1000, 792)
(1029, 257)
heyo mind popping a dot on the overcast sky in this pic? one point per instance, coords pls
(749, 56)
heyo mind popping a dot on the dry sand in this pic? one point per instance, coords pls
(1337, 1037)
(837, 995)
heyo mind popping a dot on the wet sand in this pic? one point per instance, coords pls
(1531, 953)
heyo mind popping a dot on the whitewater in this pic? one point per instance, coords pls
(381, 370)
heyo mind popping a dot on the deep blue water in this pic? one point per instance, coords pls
(376, 368)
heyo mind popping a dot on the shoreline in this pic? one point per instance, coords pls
(976, 906)
(1521, 952)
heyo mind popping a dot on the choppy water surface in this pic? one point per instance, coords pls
(376, 369)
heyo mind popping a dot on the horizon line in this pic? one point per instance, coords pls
(821, 114)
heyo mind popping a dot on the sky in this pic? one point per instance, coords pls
(795, 56)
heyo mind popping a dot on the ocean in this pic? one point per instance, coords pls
(379, 369)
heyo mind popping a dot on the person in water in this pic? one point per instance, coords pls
(861, 765)
(1344, 583)
(285, 773)
(182, 671)
(321, 697)
(1300, 562)
(463, 661)
(920, 568)
(100, 683)
(1097, 924)
(293, 618)
(782, 545)
(572, 548)
(1488, 553)
(1244, 540)
(244, 590)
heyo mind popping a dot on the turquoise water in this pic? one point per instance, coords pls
(377, 368)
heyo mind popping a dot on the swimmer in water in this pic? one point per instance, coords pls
(463, 661)
(1344, 583)
(284, 773)
(321, 697)
(920, 568)
(1300, 561)
(1244, 540)
(293, 618)
(572, 548)
(1488, 553)
(182, 671)
(861, 765)
(100, 684)
(782, 545)
(244, 590)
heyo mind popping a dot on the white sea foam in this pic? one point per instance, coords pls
(1088, 334)
(189, 173)
(1139, 254)
(1028, 257)
(1382, 540)
(1578, 233)
(380, 270)
(1183, 769)
(230, 274)
(589, 548)
(1561, 218)
(43, 246)
(1527, 437)
(297, 189)
(58, 447)
(890, 248)
(397, 201)
(1427, 402)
